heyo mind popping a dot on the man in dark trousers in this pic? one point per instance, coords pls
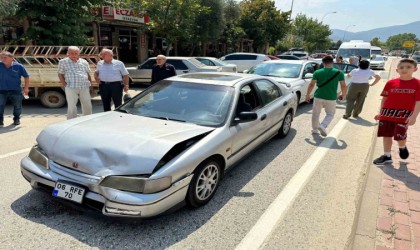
(112, 77)
(162, 70)
(11, 73)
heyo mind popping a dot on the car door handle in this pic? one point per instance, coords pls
(263, 117)
(284, 103)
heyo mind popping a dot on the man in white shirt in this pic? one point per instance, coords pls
(112, 77)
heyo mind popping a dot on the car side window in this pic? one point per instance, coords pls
(206, 62)
(248, 99)
(178, 64)
(148, 64)
(309, 68)
(268, 91)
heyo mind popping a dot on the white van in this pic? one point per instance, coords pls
(244, 61)
(355, 48)
(376, 51)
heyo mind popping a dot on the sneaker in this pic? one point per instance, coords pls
(383, 159)
(404, 153)
(315, 132)
(345, 117)
(16, 122)
(322, 130)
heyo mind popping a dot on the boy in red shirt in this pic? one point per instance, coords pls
(399, 108)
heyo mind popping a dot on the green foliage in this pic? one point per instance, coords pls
(396, 42)
(57, 22)
(232, 32)
(376, 42)
(313, 33)
(263, 23)
(210, 23)
(172, 19)
(8, 7)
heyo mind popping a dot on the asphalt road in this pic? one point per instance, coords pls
(31, 219)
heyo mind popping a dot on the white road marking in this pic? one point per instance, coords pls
(14, 153)
(278, 208)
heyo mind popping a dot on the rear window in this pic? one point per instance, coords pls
(241, 57)
(178, 64)
(299, 54)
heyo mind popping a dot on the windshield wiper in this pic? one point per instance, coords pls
(167, 118)
(123, 111)
(271, 75)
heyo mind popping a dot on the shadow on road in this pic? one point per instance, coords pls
(98, 231)
(402, 173)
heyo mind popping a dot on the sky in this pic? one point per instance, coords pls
(363, 14)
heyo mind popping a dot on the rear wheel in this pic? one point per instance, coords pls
(286, 125)
(204, 184)
(53, 99)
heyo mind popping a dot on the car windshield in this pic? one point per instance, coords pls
(286, 70)
(201, 104)
(378, 59)
(219, 61)
(417, 53)
(346, 53)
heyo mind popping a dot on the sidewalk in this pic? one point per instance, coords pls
(389, 215)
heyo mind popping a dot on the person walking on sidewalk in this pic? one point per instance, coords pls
(74, 75)
(400, 107)
(112, 77)
(359, 88)
(10, 86)
(326, 79)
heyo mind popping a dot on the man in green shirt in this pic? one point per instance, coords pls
(326, 79)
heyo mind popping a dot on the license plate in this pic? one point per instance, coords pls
(69, 191)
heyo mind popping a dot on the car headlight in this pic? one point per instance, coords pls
(137, 184)
(37, 156)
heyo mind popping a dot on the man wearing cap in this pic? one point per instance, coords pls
(112, 77)
(11, 87)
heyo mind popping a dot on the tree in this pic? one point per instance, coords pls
(263, 23)
(396, 42)
(210, 23)
(57, 22)
(8, 8)
(314, 34)
(172, 19)
(232, 32)
(376, 42)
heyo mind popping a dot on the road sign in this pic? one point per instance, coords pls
(409, 44)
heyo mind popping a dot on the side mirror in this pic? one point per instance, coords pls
(246, 117)
(308, 76)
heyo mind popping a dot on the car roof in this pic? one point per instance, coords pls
(287, 61)
(245, 53)
(215, 78)
(206, 57)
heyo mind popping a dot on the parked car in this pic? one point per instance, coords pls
(416, 56)
(301, 54)
(169, 144)
(212, 61)
(298, 74)
(143, 72)
(244, 61)
(288, 57)
(319, 55)
(377, 62)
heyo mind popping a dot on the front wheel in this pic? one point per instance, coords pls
(286, 125)
(204, 184)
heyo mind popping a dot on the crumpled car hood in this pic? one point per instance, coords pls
(114, 143)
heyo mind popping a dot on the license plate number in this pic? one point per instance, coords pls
(69, 191)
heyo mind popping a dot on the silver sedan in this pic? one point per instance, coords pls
(212, 61)
(168, 145)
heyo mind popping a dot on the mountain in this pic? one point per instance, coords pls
(381, 33)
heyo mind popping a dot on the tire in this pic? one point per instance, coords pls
(286, 125)
(197, 197)
(53, 99)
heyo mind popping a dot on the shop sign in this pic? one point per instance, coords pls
(111, 13)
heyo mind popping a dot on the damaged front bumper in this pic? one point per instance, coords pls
(109, 201)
